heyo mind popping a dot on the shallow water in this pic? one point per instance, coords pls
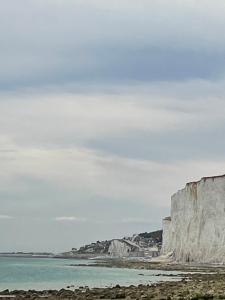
(50, 273)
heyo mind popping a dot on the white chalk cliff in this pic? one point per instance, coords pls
(121, 248)
(195, 232)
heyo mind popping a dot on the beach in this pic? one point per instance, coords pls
(196, 286)
(192, 282)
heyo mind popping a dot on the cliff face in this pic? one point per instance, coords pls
(196, 230)
(121, 248)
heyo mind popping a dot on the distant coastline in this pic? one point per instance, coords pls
(27, 254)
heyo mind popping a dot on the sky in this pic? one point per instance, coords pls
(107, 108)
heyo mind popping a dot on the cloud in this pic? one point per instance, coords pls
(136, 220)
(101, 41)
(72, 141)
(84, 171)
(66, 119)
(51, 181)
(161, 122)
(5, 217)
(110, 105)
(75, 119)
(70, 219)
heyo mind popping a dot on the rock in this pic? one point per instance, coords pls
(5, 292)
(195, 232)
(120, 295)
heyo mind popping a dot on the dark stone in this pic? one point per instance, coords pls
(5, 292)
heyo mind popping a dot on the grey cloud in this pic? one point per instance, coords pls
(35, 207)
(114, 66)
(177, 145)
(5, 217)
(63, 119)
(106, 109)
(70, 219)
(50, 43)
(137, 220)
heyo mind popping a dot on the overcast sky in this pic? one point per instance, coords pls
(106, 109)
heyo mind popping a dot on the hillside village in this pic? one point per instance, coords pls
(138, 245)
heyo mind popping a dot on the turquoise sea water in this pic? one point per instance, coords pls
(48, 273)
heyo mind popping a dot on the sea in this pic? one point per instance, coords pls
(51, 273)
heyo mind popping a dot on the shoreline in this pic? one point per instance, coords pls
(197, 282)
(194, 286)
(150, 265)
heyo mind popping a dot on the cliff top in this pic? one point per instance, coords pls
(193, 184)
(206, 178)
